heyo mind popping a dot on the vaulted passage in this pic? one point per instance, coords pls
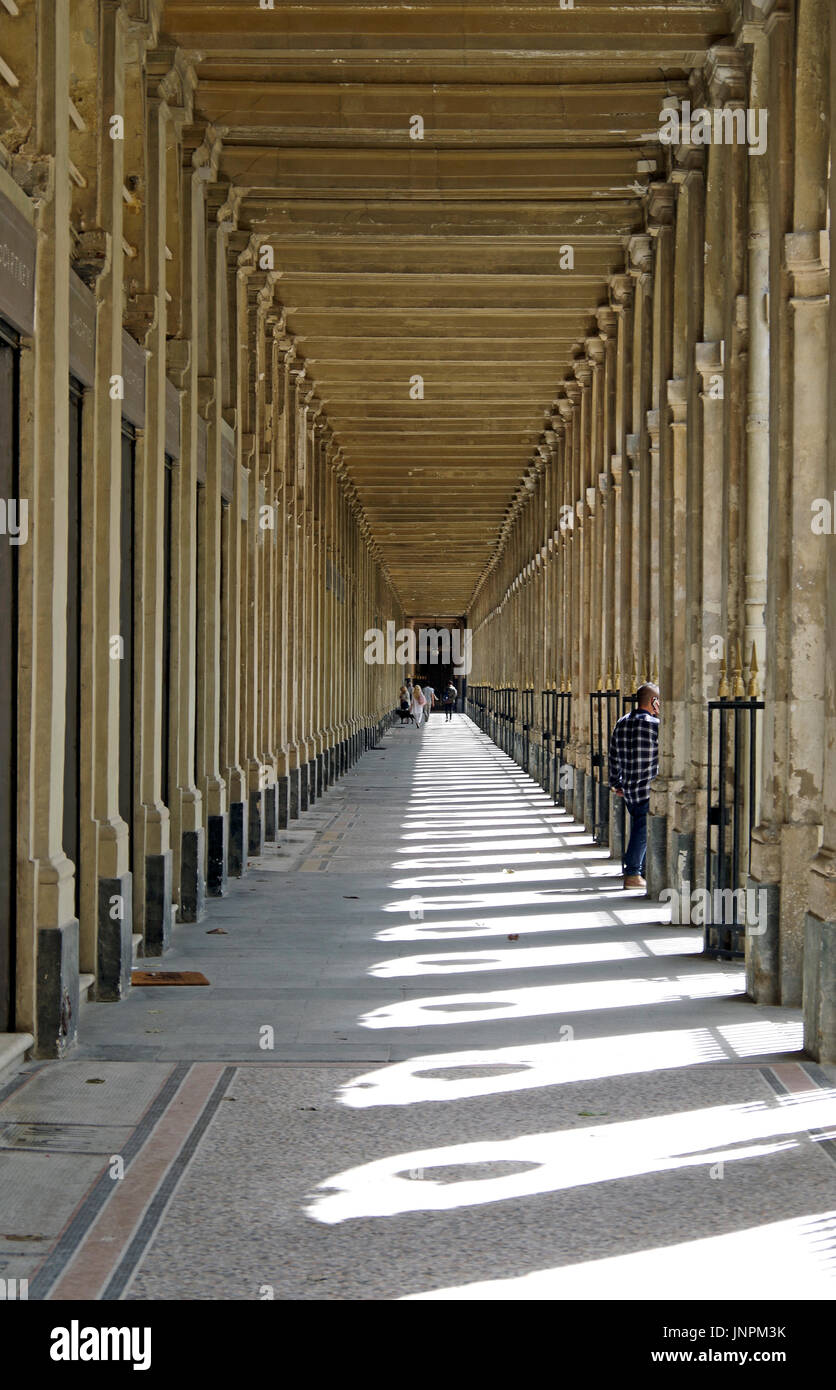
(489, 345)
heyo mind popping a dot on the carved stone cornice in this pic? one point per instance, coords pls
(640, 251)
(725, 75)
(607, 322)
(622, 290)
(661, 205)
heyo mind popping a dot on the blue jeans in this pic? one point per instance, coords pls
(636, 852)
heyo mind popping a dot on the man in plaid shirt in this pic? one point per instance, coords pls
(634, 762)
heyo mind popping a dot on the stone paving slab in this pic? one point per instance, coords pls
(418, 1197)
(553, 1067)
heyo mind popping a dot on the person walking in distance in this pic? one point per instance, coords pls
(634, 762)
(418, 705)
(429, 696)
(449, 702)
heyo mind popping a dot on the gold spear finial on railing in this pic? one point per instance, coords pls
(600, 679)
(754, 687)
(608, 686)
(738, 688)
(723, 685)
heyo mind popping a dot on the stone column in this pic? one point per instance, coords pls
(211, 598)
(47, 958)
(153, 891)
(820, 922)
(685, 666)
(811, 627)
(661, 504)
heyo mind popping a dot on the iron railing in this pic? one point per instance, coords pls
(603, 715)
(730, 819)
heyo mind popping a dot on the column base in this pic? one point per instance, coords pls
(282, 802)
(57, 997)
(114, 947)
(820, 988)
(271, 823)
(295, 784)
(255, 825)
(236, 853)
(763, 952)
(602, 797)
(216, 856)
(618, 827)
(657, 855)
(304, 787)
(682, 850)
(158, 895)
(588, 803)
(192, 885)
(320, 774)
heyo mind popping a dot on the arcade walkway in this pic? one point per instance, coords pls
(441, 1054)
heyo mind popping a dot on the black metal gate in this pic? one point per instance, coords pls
(603, 715)
(730, 819)
(557, 716)
(527, 711)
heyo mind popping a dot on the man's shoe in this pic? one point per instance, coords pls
(634, 881)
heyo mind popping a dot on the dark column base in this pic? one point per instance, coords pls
(57, 998)
(603, 793)
(192, 886)
(588, 802)
(683, 860)
(320, 774)
(763, 958)
(255, 825)
(216, 852)
(618, 827)
(282, 802)
(270, 815)
(236, 854)
(304, 787)
(294, 781)
(114, 951)
(656, 872)
(576, 793)
(820, 988)
(158, 896)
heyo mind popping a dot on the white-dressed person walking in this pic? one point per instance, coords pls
(419, 703)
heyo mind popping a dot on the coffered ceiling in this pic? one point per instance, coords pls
(443, 257)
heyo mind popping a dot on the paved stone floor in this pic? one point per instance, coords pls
(442, 1055)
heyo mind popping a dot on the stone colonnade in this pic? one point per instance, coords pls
(677, 519)
(209, 685)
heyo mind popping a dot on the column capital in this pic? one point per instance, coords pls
(640, 252)
(607, 319)
(595, 351)
(725, 74)
(677, 393)
(709, 359)
(661, 203)
(621, 292)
